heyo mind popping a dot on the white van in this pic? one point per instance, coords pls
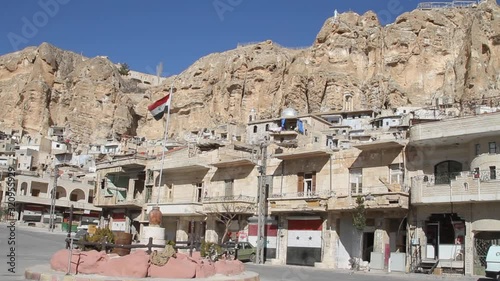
(493, 262)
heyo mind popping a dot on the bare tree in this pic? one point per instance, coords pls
(227, 212)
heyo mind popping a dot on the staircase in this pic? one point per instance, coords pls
(427, 266)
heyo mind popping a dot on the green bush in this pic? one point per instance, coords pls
(100, 235)
(205, 248)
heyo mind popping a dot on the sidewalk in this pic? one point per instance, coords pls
(36, 229)
(44, 272)
(411, 276)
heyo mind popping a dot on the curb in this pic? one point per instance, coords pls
(44, 273)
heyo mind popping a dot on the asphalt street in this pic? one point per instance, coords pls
(36, 246)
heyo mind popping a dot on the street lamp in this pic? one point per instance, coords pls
(53, 199)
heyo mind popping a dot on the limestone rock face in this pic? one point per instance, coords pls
(47, 86)
(423, 55)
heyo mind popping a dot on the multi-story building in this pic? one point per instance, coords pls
(321, 173)
(318, 176)
(34, 193)
(455, 192)
(120, 192)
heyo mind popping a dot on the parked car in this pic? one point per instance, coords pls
(244, 251)
(493, 262)
(80, 233)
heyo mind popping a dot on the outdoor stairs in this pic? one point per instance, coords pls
(427, 266)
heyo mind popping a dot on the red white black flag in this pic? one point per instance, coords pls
(159, 107)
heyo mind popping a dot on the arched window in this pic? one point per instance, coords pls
(267, 127)
(445, 171)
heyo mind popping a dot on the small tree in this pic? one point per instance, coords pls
(124, 69)
(358, 218)
(226, 212)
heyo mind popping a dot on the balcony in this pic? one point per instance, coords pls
(302, 153)
(372, 201)
(240, 204)
(299, 201)
(234, 158)
(464, 187)
(119, 202)
(379, 144)
(178, 208)
(195, 164)
(59, 203)
(456, 130)
(125, 163)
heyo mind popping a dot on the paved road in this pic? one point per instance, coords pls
(36, 246)
(32, 246)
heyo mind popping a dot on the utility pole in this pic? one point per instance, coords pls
(53, 198)
(261, 207)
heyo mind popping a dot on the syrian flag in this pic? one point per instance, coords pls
(159, 107)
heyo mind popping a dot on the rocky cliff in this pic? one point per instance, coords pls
(423, 55)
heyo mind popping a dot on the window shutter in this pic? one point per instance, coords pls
(314, 182)
(300, 182)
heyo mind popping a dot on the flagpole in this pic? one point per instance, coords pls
(164, 144)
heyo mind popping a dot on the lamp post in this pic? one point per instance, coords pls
(261, 207)
(53, 198)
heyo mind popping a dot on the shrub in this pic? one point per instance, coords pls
(205, 248)
(101, 235)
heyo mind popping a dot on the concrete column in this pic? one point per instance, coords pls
(156, 186)
(182, 230)
(330, 240)
(4, 186)
(128, 221)
(130, 189)
(381, 240)
(282, 241)
(469, 248)
(211, 233)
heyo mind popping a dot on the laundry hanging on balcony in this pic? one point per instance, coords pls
(300, 126)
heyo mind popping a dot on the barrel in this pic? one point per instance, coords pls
(122, 238)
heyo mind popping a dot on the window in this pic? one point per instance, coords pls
(446, 171)
(478, 149)
(493, 172)
(228, 188)
(306, 184)
(356, 180)
(493, 147)
(255, 129)
(316, 139)
(396, 174)
(267, 127)
(476, 173)
(198, 191)
(73, 197)
(149, 192)
(35, 192)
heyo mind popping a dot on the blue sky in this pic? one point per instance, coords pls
(177, 33)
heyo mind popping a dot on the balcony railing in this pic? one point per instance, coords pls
(442, 178)
(466, 187)
(447, 178)
(299, 195)
(232, 198)
(487, 175)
